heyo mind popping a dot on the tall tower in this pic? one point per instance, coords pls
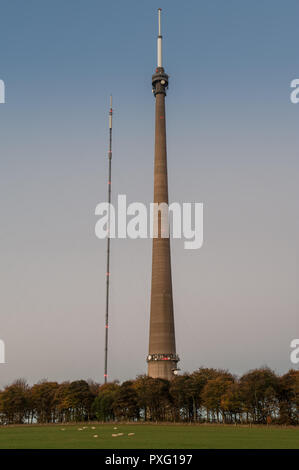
(162, 358)
(108, 245)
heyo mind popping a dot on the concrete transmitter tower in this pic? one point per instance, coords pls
(162, 358)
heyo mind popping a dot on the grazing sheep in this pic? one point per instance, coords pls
(131, 434)
(93, 427)
(95, 435)
(114, 435)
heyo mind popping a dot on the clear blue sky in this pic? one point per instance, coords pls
(232, 144)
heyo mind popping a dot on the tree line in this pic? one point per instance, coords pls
(207, 395)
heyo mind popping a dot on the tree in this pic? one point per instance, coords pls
(231, 403)
(15, 403)
(102, 406)
(182, 397)
(213, 392)
(259, 396)
(79, 400)
(259, 391)
(141, 385)
(199, 379)
(289, 397)
(93, 387)
(158, 399)
(63, 406)
(44, 401)
(125, 405)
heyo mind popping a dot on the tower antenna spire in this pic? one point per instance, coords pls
(108, 244)
(159, 40)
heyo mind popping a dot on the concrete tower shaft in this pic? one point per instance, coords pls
(162, 359)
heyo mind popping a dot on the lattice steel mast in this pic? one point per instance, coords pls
(108, 245)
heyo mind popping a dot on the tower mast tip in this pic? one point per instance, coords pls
(159, 41)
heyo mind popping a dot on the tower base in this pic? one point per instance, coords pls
(162, 369)
(163, 366)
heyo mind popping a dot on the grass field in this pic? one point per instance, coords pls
(148, 436)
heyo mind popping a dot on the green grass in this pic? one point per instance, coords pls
(148, 436)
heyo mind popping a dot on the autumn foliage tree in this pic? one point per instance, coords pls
(207, 395)
(44, 402)
(260, 395)
(103, 405)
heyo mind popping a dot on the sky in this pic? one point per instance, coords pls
(232, 138)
